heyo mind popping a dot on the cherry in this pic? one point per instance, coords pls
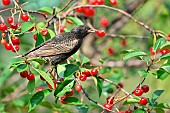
(10, 19)
(6, 2)
(152, 51)
(128, 111)
(40, 88)
(3, 27)
(3, 35)
(145, 88)
(44, 32)
(104, 22)
(35, 37)
(108, 106)
(110, 51)
(80, 10)
(89, 12)
(83, 77)
(55, 85)
(138, 91)
(143, 101)
(42, 78)
(86, 72)
(8, 46)
(78, 87)
(113, 2)
(61, 99)
(13, 26)
(164, 51)
(70, 93)
(3, 42)
(121, 112)
(168, 36)
(24, 74)
(100, 2)
(24, 17)
(123, 42)
(93, 2)
(30, 76)
(94, 72)
(15, 40)
(120, 85)
(19, 26)
(16, 48)
(100, 33)
(62, 29)
(110, 100)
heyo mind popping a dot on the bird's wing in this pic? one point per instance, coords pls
(54, 47)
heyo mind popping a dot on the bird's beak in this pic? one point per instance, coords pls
(91, 30)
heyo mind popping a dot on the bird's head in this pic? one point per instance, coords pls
(81, 31)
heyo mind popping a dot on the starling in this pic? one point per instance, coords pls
(62, 46)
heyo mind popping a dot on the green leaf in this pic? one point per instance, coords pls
(134, 53)
(161, 74)
(131, 101)
(139, 111)
(46, 10)
(163, 105)
(26, 26)
(166, 68)
(84, 59)
(158, 44)
(165, 45)
(143, 73)
(39, 60)
(33, 18)
(46, 77)
(159, 110)
(41, 24)
(70, 70)
(75, 20)
(31, 86)
(64, 87)
(98, 83)
(39, 40)
(22, 67)
(52, 34)
(127, 51)
(156, 95)
(83, 108)
(167, 56)
(73, 101)
(37, 98)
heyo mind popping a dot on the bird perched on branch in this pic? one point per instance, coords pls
(62, 46)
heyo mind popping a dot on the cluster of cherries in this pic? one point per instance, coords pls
(25, 74)
(162, 51)
(87, 73)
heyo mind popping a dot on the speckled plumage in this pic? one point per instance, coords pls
(60, 47)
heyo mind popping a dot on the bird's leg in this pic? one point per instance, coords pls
(50, 70)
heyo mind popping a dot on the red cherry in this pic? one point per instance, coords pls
(145, 88)
(113, 2)
(3, 27)
(42, 78)
(40, 88)
(86, 72)
(83, 77)
(138, 91)
(164, 51)
(30, 76)
(109, 100)
(108, 106)
(3, 35)
(8, 46)
(61, 99)
(128, 111)
(121, 112)
(70, 93)
(89, 12)
(24, 74)
(78, 87)
(93, 2)
(35, 37)
(19, 26)
(123, 42)
(104, 22)
(80, 10)
(24, 17)
(16, 48)
(44, 32)
(151, 51)
(3, 42)
(6, 2)
(168, 36)
(94, 72)
(110, 51)
(13, 26)
(120, 85)
(15, 40)
(100, 33)
(10, 19)
(55, 85)
(62, 29)
(143, 101)
(100, 2)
